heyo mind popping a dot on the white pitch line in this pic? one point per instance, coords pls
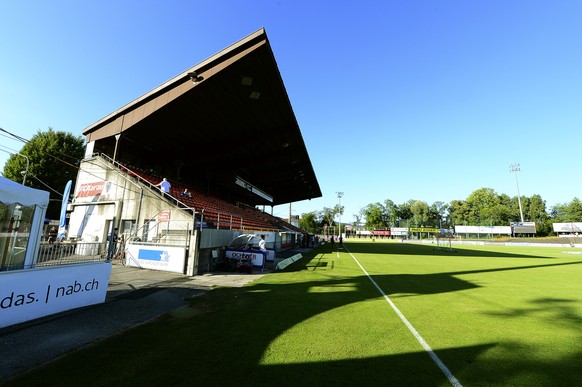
(412, 330)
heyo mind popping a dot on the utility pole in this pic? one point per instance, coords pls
(25, 172)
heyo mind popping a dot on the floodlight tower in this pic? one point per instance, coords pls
(515, 168)
(339, 198)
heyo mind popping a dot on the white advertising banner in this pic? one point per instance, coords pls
(399, 231)
(256, 257)
(504, 230)
(30, 294)
(156, 257)
(575, 227)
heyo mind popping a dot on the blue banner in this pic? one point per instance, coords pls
(63, 220)
(153, 255)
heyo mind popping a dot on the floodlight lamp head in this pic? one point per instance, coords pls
(195, 77)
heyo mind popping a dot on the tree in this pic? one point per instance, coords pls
(505, 214)
(482, 207)
(358, 218)
(482, 203)
(404, 211)
(309, 223)
(391, 212)
(438, 212)
(458, 211)
(54, 158)
(537, 209)
(374, 213)
(420, 212)
(573, 211)
(338, 210)
(327, 217)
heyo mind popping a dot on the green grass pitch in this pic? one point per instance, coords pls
(494, 316)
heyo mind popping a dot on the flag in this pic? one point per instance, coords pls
(63, 220)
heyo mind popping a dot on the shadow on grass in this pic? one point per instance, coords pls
(225, 337)
(223, 340)
(430, 250)
(559, 311)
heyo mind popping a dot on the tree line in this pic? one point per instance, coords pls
(483, 207)
(47, 161)
(51, 158)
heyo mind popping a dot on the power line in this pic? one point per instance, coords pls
(6, 136)
(77, 167)
(45, 184)
(10, 150)
(24, 140)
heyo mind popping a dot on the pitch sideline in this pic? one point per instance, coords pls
(410, 327)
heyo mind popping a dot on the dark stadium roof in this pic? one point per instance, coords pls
(227, 117)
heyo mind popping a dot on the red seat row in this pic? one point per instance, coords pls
(218, 212)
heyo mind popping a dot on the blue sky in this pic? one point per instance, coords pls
(400, 100)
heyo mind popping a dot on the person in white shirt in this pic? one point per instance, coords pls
(263, 246)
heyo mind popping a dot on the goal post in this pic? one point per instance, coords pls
(444, 241)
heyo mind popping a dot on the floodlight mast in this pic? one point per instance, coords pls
(339, 198)
(515, 168)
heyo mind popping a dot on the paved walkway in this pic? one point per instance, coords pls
(134, 296)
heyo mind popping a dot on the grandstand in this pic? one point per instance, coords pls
(228, 117)
(225, 131)
(217, 213)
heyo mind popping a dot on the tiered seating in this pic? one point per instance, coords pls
(219, 213)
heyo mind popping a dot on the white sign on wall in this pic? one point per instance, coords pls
(256, 257)
(575, 227)
(156, 257)
(30, 294)
(399, 231)
(502, 230)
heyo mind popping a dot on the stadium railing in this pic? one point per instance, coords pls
(222, 214)
(70, 252)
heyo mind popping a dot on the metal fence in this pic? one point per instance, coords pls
(66, 253)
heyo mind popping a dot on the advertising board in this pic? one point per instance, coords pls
(496, 230)
(572, 227)
(399, 231)
(162, 258)
(256, 257)
(30, 294)
(90, 189)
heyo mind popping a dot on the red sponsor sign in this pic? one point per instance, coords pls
(164, 216)
(90, 189)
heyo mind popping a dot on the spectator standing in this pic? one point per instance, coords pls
(263, 246)
(164, 186)
(52, 235)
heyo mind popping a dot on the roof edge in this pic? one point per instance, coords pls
(221, 55)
